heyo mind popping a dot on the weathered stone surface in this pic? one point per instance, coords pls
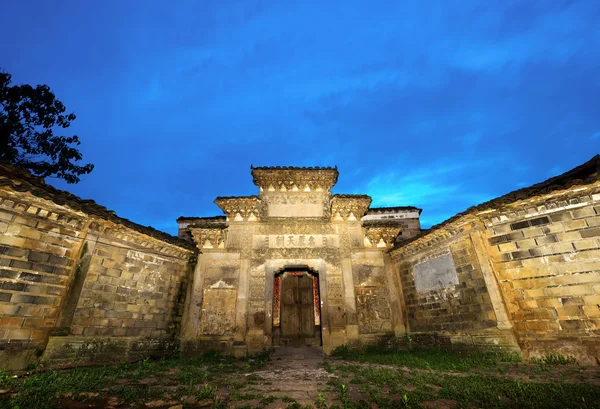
(78, 284)
(69, 267)
(435, 273)
(299, 227)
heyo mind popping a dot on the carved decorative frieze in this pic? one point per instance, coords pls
(353, 207)
(378, 232)
(329, 254)
(307, 228)
(243, 208)
(295, 198)
(208, 238)
(294, 179)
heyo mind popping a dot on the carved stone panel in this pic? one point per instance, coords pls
(291, 227)
(356, 236)
(222, 270)
(335, 289)
(297, 204)
(294, 241)
(218, 312)
(234, 238)
(330, 255)
(374, 313)
(368, 275)
(257, 288)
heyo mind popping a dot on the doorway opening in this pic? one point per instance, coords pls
(296, 308)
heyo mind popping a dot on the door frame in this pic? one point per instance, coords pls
(316, 268)
(284, 276)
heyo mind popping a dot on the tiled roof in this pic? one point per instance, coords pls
(393, 209)
(185, 218)
(383, 223)
(21, 180)
(235, 197)
(293, 167)
(351, 196)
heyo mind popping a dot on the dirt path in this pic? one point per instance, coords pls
(294, 372)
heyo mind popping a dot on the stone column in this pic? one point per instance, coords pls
(350, 300)
(490, 280)
(241, 309)
(194, 302)
(79, 274)
(323, 295)
(395, 294)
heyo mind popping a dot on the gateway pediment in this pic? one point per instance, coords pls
(291, 203)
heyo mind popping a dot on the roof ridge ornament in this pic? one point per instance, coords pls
(292, 178)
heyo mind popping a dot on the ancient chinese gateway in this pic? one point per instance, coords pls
(294, 265)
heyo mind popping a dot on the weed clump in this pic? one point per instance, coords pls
(555, 359)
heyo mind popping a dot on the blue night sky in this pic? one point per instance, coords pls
(437, 104)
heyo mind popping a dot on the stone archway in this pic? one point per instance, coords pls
(296, 307)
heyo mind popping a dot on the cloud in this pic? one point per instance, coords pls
(437, 188)
(441, 106)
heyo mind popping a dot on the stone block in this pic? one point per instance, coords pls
(592, 300)
(537, 326)
(572, 325)
(35, 323)
(553, 228)
(573, 290)
(575, 225)
(586, 244)
(587, 211)
(11, 322)
(533, 232)
(592, 311)
(562, 248)
(7, 216)
(18, 334)
(568, 236)
(501, 229)
(561, 216)
(590, 233)
(569, 311)
(593, 221)
(507, 247)
(526, 244)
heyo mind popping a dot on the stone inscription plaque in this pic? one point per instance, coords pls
(218, 312)
(435, 273)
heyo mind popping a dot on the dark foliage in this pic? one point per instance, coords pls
(28, 118)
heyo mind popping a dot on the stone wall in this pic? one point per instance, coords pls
(40, 244)
(546, 252)
(79, 284)
(445, 279)
(520, 271)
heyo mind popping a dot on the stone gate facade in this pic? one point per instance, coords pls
(79, 284)
(294, 223)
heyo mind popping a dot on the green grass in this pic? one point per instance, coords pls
(191, 376)
(367, 377)
(437, 359)
(39, 390)
(410, 389)
(555, 359)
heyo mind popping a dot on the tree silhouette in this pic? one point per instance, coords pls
(28, 119)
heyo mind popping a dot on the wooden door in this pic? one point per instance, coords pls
(297, 310)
